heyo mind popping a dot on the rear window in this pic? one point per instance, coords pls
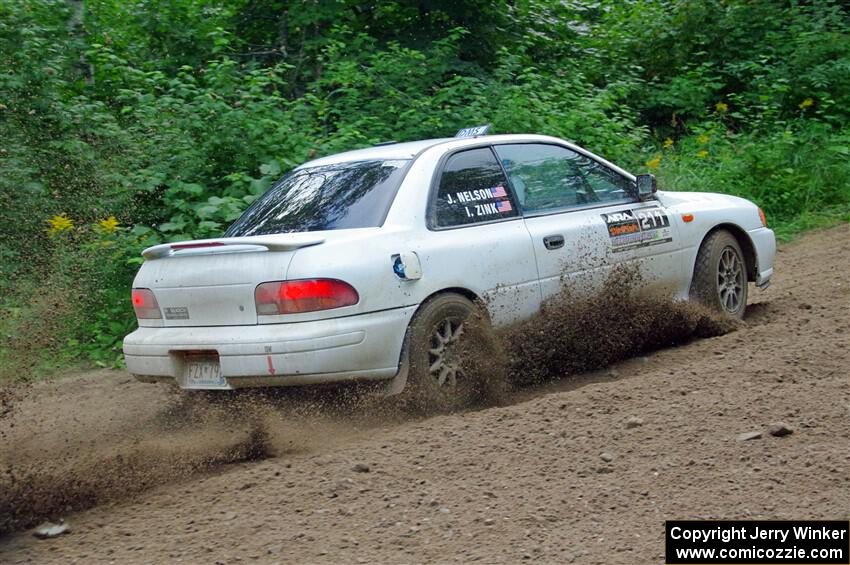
(330, 197)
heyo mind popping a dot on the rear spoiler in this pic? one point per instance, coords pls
(290, 243)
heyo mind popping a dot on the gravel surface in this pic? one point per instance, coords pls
(582, 470)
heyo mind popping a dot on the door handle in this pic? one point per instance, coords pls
(553, 241)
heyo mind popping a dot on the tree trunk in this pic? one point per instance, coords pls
(76, 28)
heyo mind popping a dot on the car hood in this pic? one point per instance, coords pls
(702, 199)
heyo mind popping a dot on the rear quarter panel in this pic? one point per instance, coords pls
(364, 260)
(494, 262)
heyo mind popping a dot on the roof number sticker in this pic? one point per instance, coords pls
(630, 229)
(473, 131)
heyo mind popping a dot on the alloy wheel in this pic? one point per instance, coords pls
(730, 280)
(444, 364)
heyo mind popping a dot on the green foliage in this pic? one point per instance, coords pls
(173, 116)
(796, 174)
(764, 58)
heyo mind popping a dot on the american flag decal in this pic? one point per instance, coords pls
(504, 206)
(498, 191)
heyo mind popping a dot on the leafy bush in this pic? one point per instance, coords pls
(796, 175)
(172, 117)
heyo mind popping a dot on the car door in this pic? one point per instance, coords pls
(583, 220)
(477, 238)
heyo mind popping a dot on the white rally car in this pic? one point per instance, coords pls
(363, 265)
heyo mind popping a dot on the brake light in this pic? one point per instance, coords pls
(762, 217)
(308, 295)
(179, 246)
(145, 304)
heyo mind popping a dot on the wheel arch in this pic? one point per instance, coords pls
(397, 384)
(747, 246)
(465, 292)
(469, 294)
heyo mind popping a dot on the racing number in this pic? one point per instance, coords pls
(652, 219)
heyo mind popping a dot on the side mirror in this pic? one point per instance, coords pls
(646, 186)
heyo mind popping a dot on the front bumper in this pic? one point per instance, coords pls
(764, 243)
(362, 347)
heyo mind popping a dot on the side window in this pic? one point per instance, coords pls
(473, 189)
(606, 185)
(551, 177)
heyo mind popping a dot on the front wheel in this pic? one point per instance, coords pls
(720, 275)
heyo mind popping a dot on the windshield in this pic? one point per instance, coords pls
(330, 197)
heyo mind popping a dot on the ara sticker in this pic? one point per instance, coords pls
(629, 229)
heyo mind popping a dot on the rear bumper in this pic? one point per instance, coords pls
(362, 347)
(764, 243)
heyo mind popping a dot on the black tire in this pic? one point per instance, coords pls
(720, 275)
(441, 389)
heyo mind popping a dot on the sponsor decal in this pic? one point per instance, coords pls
(629, 229)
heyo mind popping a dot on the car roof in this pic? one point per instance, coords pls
(406, 150)
(410, 149)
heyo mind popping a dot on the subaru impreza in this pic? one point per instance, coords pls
(363, 266)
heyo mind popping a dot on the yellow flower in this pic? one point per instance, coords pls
(806, 103)
(721, 107)
(703, 138)
(59, 223)
(668, 143)
(109, 225)
(702, 154)
(654, 163)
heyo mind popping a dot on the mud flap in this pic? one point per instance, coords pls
(396, 384)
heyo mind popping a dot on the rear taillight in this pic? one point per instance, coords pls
(145, 305)
(309, 295)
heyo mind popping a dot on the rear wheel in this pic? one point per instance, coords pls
(720, 275)
(437, 380)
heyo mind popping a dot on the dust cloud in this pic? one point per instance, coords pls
(77, 442)
(65, 450)
(572, 335)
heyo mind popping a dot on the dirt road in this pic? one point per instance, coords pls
(583, 470)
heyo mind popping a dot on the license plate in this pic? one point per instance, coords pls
(204, 372)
